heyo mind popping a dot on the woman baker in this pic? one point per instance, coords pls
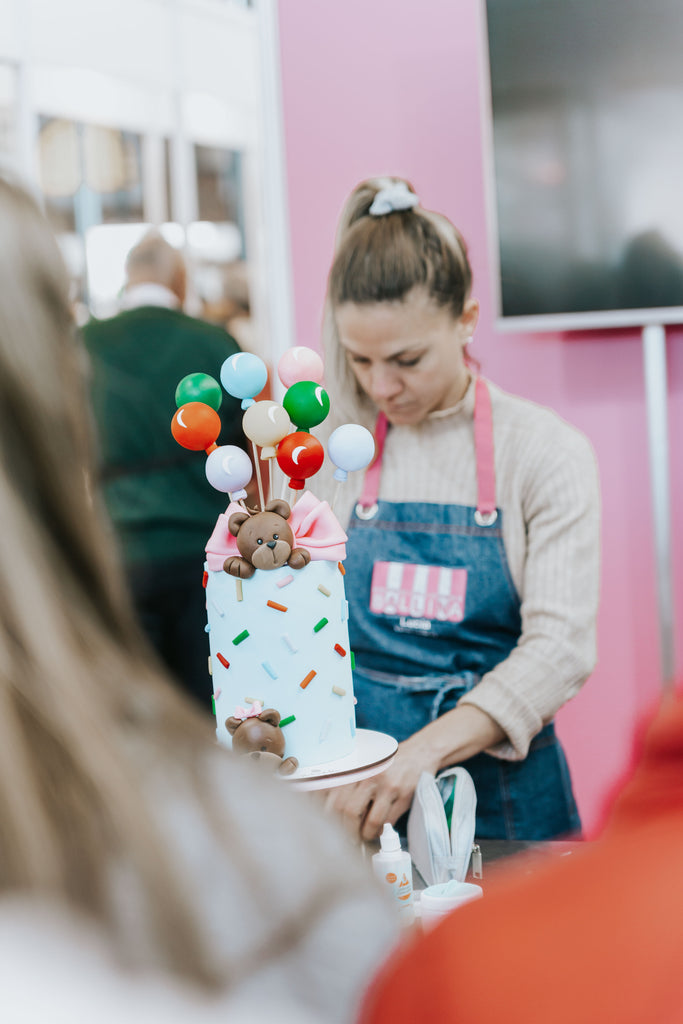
(473, 551)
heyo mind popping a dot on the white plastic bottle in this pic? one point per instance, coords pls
(393, 867)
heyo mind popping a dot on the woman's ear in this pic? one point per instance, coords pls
(469, 317)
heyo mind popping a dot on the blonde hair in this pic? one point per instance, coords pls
(84, 710)
(382, 259)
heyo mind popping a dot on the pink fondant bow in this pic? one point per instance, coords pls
(253, 712)
(313, 523)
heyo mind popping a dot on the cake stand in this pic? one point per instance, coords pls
(373, 753)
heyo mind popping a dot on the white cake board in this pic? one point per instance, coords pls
(373, 753)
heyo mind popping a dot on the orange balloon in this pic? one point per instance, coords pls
(196, 426)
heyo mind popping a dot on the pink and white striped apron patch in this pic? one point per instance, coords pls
(418, 591)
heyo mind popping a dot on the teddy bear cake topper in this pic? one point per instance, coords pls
(264, 541)
(281, 431)
(257, 733)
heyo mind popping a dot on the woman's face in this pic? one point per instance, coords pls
(408, 356)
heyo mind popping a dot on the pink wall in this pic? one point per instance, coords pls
(372, 87)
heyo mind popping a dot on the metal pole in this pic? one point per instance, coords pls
(281, 330)
(654, 361)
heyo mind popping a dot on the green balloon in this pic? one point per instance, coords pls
(306, 404)
(199, 387)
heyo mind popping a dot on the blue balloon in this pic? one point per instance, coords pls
(229, 469)
(350, 447)
(244, 376)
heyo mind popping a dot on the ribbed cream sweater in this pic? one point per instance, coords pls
(547, 487)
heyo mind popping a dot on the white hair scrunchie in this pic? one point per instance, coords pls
(393, 198)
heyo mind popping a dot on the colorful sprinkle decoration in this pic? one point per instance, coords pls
(218, 693)
(241, 636)
(269, 669)
(293, 648)
(339, 691)
(285, 583)
(341, 568)
(213, 705)
(210, 671)
(253, 700)
(324, 590)
(304, 682)
(286, 721)
(205, 579)
(353, 661)
(224, 661)
(340, 650)
(276, 606)
(207, 628)
(218, 608)
(319, 625)
(238, 588)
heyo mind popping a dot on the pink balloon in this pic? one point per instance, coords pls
(300, 363)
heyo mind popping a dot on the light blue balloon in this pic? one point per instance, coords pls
(350, 447)
(228, 469)
(243, 376)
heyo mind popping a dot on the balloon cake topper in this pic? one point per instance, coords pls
(280, 431)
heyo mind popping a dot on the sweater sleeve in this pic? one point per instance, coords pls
(557, 648)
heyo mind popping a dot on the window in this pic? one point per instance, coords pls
(89, 175)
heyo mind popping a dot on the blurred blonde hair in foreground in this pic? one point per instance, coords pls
(92, 738)
(75, 680)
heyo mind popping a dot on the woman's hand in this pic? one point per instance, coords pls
(365, 806)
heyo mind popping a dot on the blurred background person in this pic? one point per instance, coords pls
(160, 503)
(116, 804)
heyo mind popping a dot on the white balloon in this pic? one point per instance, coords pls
(350, 447)
(229, 469)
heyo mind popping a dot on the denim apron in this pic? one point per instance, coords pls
(433, 608)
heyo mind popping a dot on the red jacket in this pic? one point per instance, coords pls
(593, 937)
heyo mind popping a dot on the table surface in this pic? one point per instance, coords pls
(495, 852)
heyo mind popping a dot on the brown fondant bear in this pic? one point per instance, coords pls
(264, 540)
(262, 738)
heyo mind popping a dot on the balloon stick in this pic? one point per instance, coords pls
(258, 476)
(336, 494)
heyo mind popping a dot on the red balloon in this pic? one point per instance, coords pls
(299, 455)
(196, 426)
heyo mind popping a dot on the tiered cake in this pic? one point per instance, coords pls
(280, 639)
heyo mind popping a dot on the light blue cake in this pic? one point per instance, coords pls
(281, 638)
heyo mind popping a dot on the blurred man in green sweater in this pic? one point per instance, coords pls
(161, 505)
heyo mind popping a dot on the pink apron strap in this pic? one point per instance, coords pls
(486, 513)
(367, 503)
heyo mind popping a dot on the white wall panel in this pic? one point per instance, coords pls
(128, 38)
(85, 95)
(220, 57)
(10, 30)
